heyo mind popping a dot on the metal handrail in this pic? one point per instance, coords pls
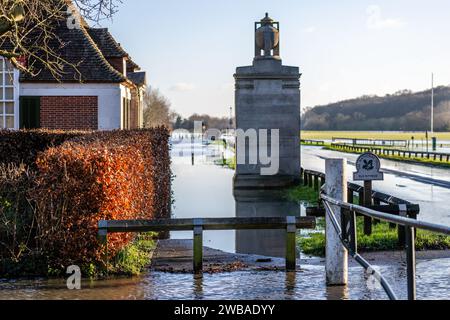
(351, 246)
(406, 222)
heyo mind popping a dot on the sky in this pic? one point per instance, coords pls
(345, 49)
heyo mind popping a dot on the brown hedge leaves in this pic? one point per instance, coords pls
(117, 175)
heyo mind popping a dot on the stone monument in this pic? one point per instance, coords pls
(267, 100)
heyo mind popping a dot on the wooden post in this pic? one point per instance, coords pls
(350, 196)
(376, 202)
(403, 211)
(367, 203)
(316, 183)
(291, 247)
(198, 246)
(336, 262)
(103, 239)
(103, 232)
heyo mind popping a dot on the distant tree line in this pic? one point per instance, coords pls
(210, 122)
(401, 111)
(158, 112)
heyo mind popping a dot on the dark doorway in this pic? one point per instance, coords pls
(30, 108)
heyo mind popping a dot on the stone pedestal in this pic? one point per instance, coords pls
(268, 97)
(263, 203)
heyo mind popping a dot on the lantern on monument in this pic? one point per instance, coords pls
(267, 38)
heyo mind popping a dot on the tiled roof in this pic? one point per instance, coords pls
(86, 51)
(86, 63)
(133, 64)
(106, 43)
(138, 78)
(109, 46)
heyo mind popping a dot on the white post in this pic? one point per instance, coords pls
(336, 265)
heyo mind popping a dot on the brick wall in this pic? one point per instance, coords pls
(69, 113)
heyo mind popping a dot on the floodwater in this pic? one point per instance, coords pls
(309, 284)
(205, 190)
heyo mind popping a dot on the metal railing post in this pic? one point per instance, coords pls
(410, 247)
(198, 246)
(291, 247)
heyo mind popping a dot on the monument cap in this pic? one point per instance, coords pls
(267, 38)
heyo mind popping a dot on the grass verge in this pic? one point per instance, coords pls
(133, 259)
(304, 195)
(382, 239)
(130, 261)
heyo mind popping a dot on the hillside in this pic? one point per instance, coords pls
(402, 111)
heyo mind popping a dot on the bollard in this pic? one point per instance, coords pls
(336, 264)
(291, 246)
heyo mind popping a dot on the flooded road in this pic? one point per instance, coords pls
(308, 284)
(205, 190)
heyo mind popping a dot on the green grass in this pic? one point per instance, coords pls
(386, 135)
(130, 261)
(382, 239)
(134, 258)
(303, 194)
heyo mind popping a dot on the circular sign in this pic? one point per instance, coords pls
(368, 168)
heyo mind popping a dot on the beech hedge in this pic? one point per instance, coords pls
(23, 146)
(81, 178)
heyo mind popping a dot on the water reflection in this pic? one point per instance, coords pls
(198, 287)
(291, 285)
(263, 203)
(337, 293)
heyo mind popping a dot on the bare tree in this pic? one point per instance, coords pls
(27, 30)
(157, 109)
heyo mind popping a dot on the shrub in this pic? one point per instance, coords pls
(23, 146)
(16, 212)
(116, 175)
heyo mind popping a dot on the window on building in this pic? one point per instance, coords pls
(7, 97)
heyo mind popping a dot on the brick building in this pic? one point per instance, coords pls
(103, 92)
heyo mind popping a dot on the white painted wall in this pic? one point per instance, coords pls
(16, 99)
(125, 92)
(109, 98)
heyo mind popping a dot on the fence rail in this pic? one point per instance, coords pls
(347, 233)
(383, 202)
(371, 142)
(290, 224)
(409, 154)
(313, 142)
